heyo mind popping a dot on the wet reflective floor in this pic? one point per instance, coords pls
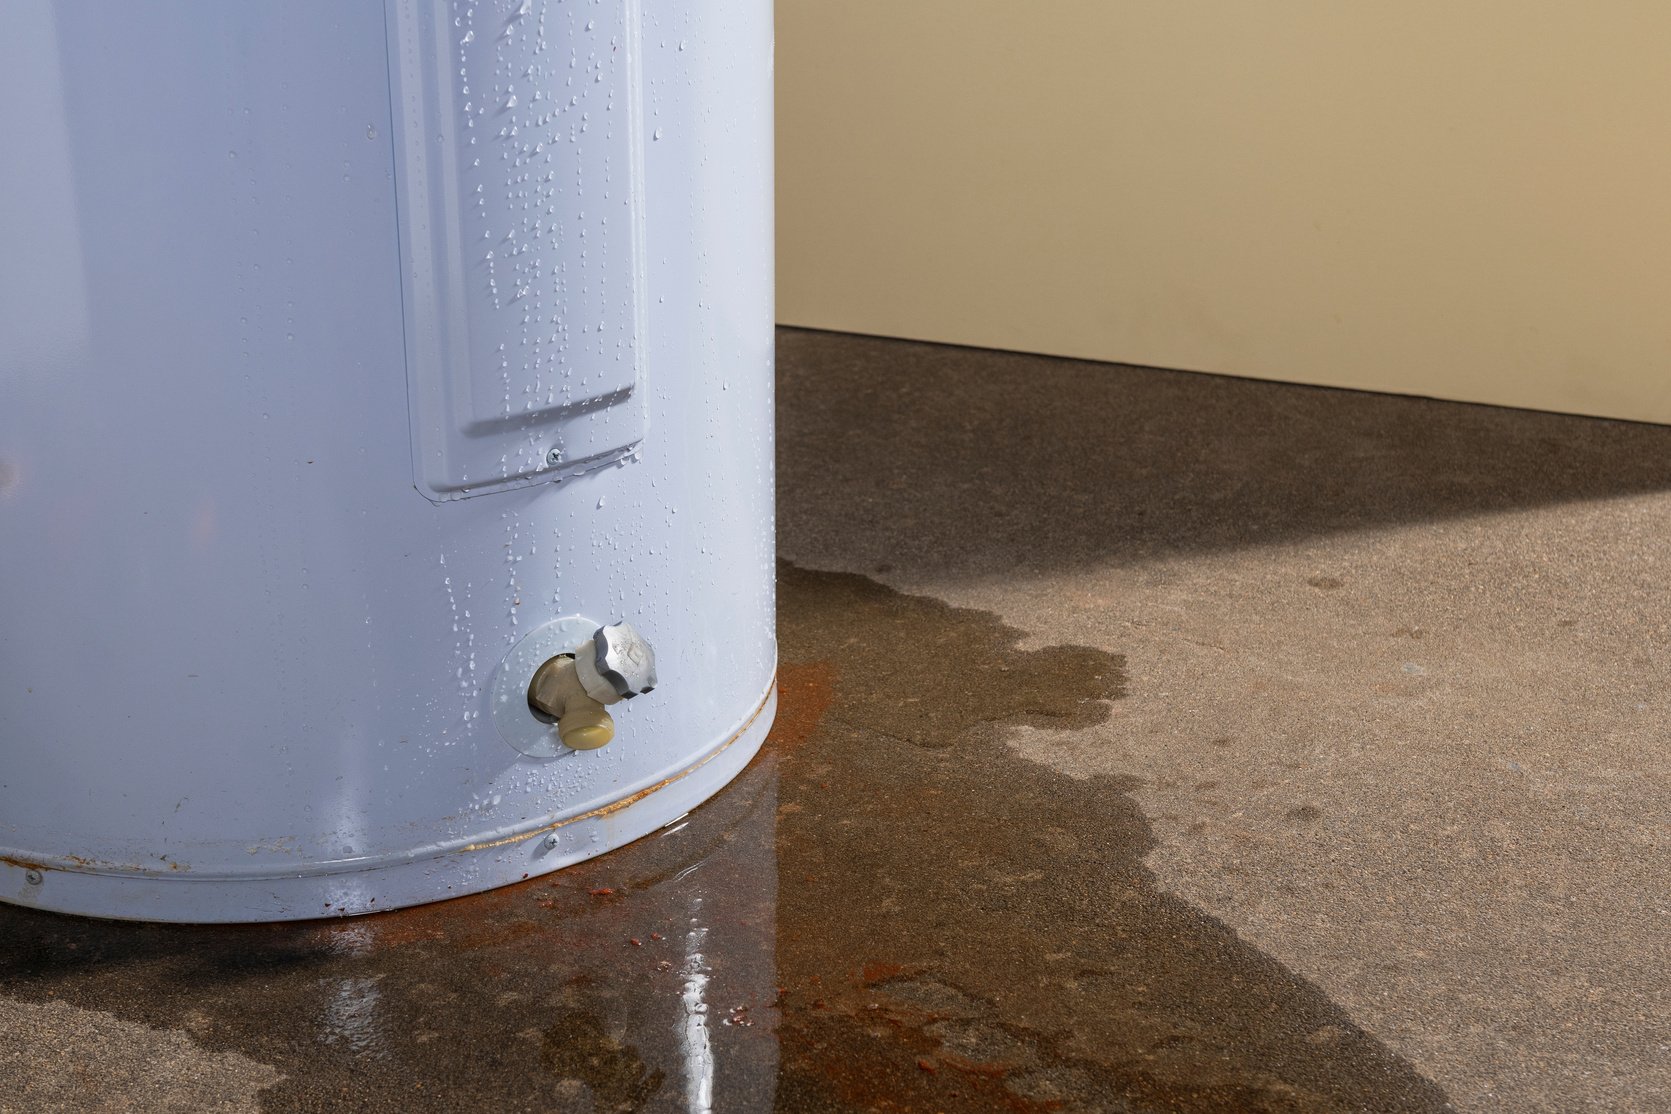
(1290, 656)
(889, 910)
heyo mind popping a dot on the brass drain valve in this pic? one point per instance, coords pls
(616, 664)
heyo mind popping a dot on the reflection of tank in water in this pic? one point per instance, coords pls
(336, 372)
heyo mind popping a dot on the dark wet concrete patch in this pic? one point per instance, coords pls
(533, 997)
(973, 931)
(890, 910)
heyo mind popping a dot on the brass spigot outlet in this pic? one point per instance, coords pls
(556, 691)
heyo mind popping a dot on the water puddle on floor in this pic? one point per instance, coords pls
(889, 910)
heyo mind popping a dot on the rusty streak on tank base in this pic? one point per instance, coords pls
(889, 910)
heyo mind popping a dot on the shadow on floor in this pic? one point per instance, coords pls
(959, 460)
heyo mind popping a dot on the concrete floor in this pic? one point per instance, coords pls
(1149, 741)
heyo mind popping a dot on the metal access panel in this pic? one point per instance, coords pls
(518, 152)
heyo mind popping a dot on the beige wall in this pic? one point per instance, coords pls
(1468, 198)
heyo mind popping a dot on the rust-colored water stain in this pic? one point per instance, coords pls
(805, 692)
(946, 901)
(890, 910)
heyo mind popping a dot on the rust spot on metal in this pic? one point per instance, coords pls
(83, 864)
(632, 799)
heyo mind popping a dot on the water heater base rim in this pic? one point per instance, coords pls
(184, 899)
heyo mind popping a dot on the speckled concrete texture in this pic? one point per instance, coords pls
(1397, 669)
(56, 1056)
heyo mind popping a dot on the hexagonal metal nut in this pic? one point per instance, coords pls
(625, 659)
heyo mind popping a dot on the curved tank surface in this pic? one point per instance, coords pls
(358, 361)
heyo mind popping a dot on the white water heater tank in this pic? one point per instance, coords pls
(359, 361)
